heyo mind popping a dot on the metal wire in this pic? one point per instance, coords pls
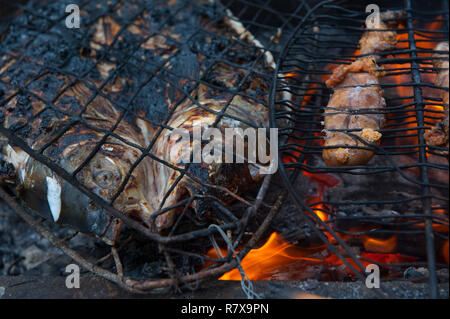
(97, 91)
(327, 39)
(314, 39)
(40, 21)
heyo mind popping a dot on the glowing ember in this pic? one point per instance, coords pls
(445, 251)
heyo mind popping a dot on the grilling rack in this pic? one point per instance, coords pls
(297, 23)
(320, 40)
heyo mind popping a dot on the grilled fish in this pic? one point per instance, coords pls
(102, 101)
(438, 135)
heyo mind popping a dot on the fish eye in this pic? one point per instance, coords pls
(105, 173)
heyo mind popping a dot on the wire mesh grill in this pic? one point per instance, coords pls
(402, 191)
(117, 59)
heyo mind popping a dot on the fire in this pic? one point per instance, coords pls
(320, 211)
(263, 262)
(445, 251)
(373, 258)
(291, 75)
(404, 91)
(295, 152)
(399, 74)
(279, 259)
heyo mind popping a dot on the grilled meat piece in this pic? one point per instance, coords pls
(356, 97)
(438, 135)
(58, 200)
(133, 73)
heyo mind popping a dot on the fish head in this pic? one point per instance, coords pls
(119, 175)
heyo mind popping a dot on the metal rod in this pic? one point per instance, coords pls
(431, 254)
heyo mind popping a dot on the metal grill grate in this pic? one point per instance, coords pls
(305, 39)
(403, 162)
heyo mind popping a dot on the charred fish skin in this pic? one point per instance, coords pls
(134, 71)
(61, 202)
(57, 200)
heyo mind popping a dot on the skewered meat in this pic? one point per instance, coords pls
(438, 135)
(131, 90)
(352, 112)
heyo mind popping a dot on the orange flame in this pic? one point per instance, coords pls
(372, 258)
(260, 263)
(423, 42)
